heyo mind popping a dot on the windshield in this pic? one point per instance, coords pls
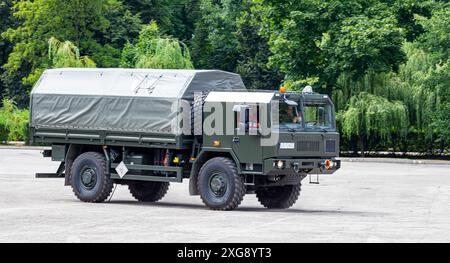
(313, 116)
(317, 116)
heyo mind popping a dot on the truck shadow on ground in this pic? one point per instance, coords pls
(244, 209)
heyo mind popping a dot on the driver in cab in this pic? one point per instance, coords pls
(291, 115)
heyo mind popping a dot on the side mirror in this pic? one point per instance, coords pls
(291, 103)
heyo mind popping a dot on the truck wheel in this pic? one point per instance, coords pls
(219, 184)
(148, 191)
(89, 179)
(278, 197)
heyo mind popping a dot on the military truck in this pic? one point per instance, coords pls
(148, 128)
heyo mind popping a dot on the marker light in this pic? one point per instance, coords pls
(282, 89)
(329, 164)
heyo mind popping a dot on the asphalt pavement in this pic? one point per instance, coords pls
(363, 202)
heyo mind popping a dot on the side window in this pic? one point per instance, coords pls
(241, 117)
(247, 117)
(254, 118)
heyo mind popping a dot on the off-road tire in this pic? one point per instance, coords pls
(103, 183)
(148, 191)
(278, 197)
(235, 184)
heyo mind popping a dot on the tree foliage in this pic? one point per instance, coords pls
(83, 22)
(5, 45)
(384, 62)
(155, 51)
(215, 44)
(368, 115)
(324, 39)
(13, 122)
(67, 55)
(174, 17)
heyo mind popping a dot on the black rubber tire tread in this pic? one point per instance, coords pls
(107, 184)
(239, 185)
(148, 191)
(279, 197)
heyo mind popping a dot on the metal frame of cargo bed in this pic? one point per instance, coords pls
(113, 138)
(110, 138)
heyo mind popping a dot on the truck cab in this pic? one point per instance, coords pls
(308, 140)
(275, 150)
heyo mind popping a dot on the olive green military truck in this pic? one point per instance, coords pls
(148, 128)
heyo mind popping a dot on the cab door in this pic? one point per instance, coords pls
(246, 142)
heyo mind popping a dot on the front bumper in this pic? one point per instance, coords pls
(296, 166)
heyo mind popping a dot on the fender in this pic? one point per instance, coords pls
(206, 154)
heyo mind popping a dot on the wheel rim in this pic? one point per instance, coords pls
(88, 177)
(218, 184)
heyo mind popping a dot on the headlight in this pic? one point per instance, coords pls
(280, 164)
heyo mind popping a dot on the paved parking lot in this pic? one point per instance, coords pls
(363, 202)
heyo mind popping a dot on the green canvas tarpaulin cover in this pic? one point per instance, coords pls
(131, 100)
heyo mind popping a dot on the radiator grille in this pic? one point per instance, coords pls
(330, 146)
(308, 146)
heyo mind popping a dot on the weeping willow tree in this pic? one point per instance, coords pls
(370, 117)
(389, 108)
(67, 55)
(155, 51)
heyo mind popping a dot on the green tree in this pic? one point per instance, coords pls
(405, 12)
(254, 52)
(13, 122)
(323, 39)
(83, 22)
(436, 42)
(174, 17)
(5, 46)
(155, 51)
(228, 38)
(373, 117)
(215, 44)
(67, 55)
(151, 10)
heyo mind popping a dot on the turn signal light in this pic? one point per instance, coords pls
(282, 89)
(329, 164)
